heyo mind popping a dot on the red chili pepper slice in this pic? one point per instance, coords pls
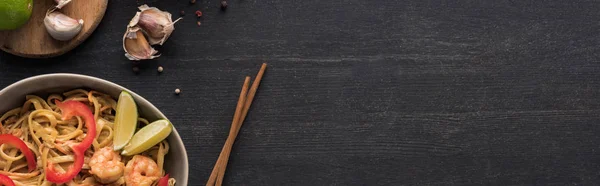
(164, 181)
(6, 181)
(16, 142)
(70, 109)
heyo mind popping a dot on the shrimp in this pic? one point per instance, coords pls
(141, 171)
(106, 165)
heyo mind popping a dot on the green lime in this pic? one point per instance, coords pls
(14, 13)
(148, 136)
(125, 120)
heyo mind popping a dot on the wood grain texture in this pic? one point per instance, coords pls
(416, 92)
(33, 41)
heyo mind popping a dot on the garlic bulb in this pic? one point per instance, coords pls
(61, 3)
(155, 23)
(136, 46)
(62, 27)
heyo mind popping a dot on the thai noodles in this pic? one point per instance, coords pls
(55, 142)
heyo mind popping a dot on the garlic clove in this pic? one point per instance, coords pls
(157, 24)
(134, 21)
(61, 3)
(136, 46)
(60, 26)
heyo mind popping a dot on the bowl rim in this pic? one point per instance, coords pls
(103, 81)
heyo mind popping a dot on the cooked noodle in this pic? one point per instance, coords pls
(38, 123)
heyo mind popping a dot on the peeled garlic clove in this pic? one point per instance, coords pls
(62, 27)
(61, 3)
(156, 24)
(136, 46)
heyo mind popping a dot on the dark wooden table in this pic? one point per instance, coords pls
(370, 92)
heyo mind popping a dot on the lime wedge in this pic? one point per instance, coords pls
(148, 136)
(125, 120)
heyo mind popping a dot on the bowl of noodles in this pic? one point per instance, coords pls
(40, 146)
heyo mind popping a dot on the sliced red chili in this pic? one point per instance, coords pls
(6, 181)
(18, 143)
(164, 181)
(70, 109)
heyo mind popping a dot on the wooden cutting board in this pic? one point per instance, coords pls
(33, 41)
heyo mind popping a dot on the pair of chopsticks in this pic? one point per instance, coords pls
(241, 110)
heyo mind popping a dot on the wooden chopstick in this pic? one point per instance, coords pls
(231, 137)
(251, 94)
(247, 105)
(244, 102)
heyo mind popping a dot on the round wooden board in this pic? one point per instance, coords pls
(33, 41)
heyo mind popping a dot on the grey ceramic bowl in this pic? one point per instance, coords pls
(176, 162)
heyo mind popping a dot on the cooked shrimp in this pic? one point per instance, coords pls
(106, 165)
(141, 171)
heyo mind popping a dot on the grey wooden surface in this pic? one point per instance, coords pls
(370, 92)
